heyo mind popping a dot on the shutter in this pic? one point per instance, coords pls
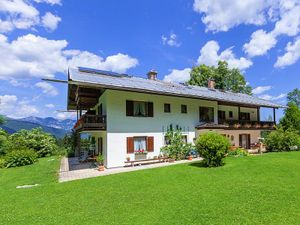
(130, 145)
(249, 141)
(150, 144)
(129, 108)
(150, 109)
(240, 140)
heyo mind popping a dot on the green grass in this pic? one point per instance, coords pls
(250, 190)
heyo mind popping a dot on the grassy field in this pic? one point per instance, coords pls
(251, 190)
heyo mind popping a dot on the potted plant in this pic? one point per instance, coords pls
(190, 157)
(128, 158)
(100, 160)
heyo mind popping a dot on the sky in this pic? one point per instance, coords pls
(42, 38)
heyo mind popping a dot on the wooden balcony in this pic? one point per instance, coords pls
(251, 125)
(90, 123)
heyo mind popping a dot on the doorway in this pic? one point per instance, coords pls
(245, 141)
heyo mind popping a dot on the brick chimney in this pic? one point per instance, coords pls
(211, 84)
(152, 75)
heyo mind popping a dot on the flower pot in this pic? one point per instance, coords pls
(101, 168)
(190, 157)
(171, 160)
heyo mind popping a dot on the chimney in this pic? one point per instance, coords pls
(211, 84)
(152, 75)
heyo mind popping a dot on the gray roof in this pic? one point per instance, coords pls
(116, 81)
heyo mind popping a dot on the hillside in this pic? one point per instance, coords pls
(13, 125)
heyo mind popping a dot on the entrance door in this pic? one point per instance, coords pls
(245, 141)
(100, 146)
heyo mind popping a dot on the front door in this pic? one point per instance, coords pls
(245, 141)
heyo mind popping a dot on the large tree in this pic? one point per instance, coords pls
(225, 78)
(294, 97)
(2, 120)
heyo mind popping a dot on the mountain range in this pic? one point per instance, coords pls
(56, 127)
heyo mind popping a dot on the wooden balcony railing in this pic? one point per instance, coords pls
(240, 124)
(90, 122)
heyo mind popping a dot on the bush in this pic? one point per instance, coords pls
(20, 158)
(2, 163)
(238, 152)
(280, 140)
(213, 148)
(176, 148)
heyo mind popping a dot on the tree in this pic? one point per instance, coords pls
(294, 97)
(225, 78)
(2, 120)
(291, 118)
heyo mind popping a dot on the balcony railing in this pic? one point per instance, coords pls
(240, 124)
(90, 122)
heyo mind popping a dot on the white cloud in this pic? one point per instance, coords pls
(223, 15)
(50, 106)
(171, 40)
(50, 21)
(118, 63)
(260, 43)
(272, 98)
(209, 56)
(261, 89)
(66, 115)
(35, 56)
(9, 104)
(51, 2)
(291, 55)
(178, 76)
(47, 88)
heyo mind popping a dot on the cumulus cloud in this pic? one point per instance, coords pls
(51, 2)
(223, 15)
(50, 21)
(291, 55)
(50, 106)
(171, 40)
(261, 89)
(35, 56)
(47, 88)
(66, 115)
(9, 104)
(209, 55)
(272, 98)
(178, 76)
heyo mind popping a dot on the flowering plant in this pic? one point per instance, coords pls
(140, 151)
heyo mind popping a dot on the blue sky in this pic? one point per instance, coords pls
(41, 38)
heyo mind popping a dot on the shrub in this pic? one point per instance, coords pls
(20, 158)
(213, 148)
(238, 152)
(2, 163)
(3, 141)
(176, 148)
(280, 140)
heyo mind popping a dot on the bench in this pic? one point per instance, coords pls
(145, 161)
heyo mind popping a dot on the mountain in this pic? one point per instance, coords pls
(58, 128)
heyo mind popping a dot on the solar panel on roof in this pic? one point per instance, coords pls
(102, 72)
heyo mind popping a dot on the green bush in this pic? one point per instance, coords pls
(280, 140)
(238, 152)
(21, 157)
(213, 148)
(2, 163)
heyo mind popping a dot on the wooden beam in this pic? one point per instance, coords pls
(239, 112)
(258, 114)
(55, 80)
(274, 115)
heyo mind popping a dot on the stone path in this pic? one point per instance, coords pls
(68, 175)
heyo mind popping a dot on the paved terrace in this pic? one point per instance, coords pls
(71, 169)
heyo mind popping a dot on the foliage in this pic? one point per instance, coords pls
(294, 97)
(281, 140)
(42, 143)
(100, 159)
(213, 148)
(67, 144)
(2, 162)
(2, 120)
(3, 141)
(21, 157)
(225, 78)
(238, 152)
(176, 148)
(291, 118)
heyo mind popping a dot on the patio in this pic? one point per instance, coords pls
(71, 169)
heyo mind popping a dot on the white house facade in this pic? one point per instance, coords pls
(128, 115)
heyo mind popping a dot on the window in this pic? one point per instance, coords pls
(139, 108)
(183, 108)
(221, 116)
(206, 114)
(167, 108)
(184, 138)
(244, 116)
(140, 144)
(230, 114)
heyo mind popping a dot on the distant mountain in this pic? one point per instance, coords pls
(58, 128)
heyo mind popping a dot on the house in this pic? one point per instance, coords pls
(126, 114)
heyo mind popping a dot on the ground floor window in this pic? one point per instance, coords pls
(140, 144)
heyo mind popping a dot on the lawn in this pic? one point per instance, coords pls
(250, 190)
